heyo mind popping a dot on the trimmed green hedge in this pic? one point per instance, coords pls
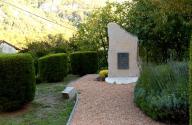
(190, 84)
(17, 81)
(102, 62)
(162, 92)
(53, 67)
(84, 62)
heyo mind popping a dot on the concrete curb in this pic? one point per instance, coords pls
(76, 102)
(73, 111)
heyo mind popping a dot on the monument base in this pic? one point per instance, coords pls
(121, 80)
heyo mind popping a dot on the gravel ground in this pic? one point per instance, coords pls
(104, 104)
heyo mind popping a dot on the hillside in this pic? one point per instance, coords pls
(19, 21)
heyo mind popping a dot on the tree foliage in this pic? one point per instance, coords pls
(162, 28)
(49, 44)
(92, 34)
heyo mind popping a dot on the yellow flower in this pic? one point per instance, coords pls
(103, 73)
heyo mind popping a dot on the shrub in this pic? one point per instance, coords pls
(38, 79)
(53, 67)
(84, 62)
(36, 66)
(190, 84)
(103, 74)
(102, 62)
(162, 92)
(52, 43)
(35, 58)
(17, 81)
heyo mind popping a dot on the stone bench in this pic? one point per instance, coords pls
(69, 93)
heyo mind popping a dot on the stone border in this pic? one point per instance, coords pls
(74, 109)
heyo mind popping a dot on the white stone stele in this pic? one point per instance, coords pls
(121, 80)
(121, 41)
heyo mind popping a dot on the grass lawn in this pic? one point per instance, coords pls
(48, 107)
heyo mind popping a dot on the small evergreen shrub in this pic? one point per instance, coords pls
(53, 67)
(17, 81)
(162, 92)
(84, 62)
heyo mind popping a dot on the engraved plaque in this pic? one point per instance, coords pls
(123, 60)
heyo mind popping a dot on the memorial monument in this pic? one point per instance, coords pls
(122, 56)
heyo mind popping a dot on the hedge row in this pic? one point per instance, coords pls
(190, 84)
(53, 67)
(84, 62)
(17, 81)
(17, 74)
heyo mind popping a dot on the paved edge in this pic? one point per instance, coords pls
(74, 109)
(76, 102)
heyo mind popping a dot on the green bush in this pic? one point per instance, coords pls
(84, 62)
(53, 67)
(102, 62)
(162, 92)
(190, 84)
(17, 81)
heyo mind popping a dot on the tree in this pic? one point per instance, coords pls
(49, 44)
(162, 28)
(92, 35)
(163, 32)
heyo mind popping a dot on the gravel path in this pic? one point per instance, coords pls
(104, 104)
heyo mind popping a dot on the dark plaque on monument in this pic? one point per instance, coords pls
(123, 60)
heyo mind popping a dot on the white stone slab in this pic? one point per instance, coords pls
(121, 80)
(69, 92)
